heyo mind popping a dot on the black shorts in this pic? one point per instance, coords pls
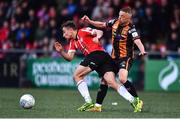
(124, 63)
(99, 61)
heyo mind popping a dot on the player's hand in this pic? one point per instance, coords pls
(85, 19)
(58, 46)
(142, 53)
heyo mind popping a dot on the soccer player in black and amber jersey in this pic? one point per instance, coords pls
(124, 36)
(87, 41)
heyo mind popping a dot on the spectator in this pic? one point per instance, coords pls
(41, 31)
(29, 21)
(4, 31)
(84, 8)
(173, 42)
(100, 10)
(69, 9)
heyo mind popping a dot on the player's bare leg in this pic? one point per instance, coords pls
(123, 74)
(79, 75)
(110, 78)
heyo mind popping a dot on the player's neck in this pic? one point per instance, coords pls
(75, 34)
(125, 23)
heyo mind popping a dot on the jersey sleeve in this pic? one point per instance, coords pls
(110, 22)
(133, 33)
(72, 47)
(88, 31)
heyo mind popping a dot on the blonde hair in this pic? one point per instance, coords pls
(127, 10)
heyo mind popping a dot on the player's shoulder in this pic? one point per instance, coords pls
(86, 28)
(131, 25)
(132, 28)
(86, 31)
(80, 31)
(112, 20)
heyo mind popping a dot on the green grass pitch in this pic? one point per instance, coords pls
(61, 103)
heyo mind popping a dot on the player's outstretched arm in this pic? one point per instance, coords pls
(67, 56)
(140, 46)
(97, 24)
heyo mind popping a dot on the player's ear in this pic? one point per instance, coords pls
(130, 15)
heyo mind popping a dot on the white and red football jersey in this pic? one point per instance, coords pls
(84, 42)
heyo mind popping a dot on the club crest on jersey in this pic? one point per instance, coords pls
(117, 37)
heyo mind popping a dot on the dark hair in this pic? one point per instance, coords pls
(127, 10)
(69, 24)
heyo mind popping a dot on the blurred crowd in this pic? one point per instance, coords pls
(35, 24)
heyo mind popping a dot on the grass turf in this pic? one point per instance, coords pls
(58, 103)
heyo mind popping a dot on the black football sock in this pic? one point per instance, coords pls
(131, 89)
(101, 94)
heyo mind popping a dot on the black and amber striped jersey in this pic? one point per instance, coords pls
(122, 39)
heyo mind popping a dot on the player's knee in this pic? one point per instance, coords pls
(123, 80)
(113, 84)
(77, 77)
(123, 77)
(109, 75)
(110, 79)
(106, 75)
